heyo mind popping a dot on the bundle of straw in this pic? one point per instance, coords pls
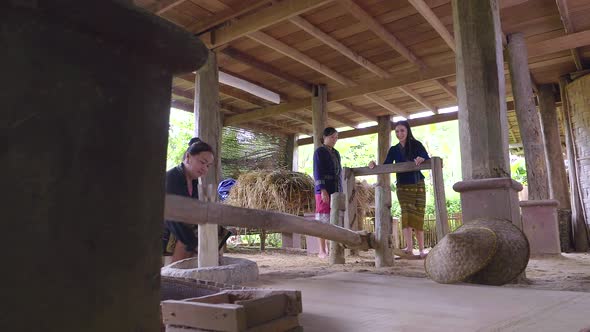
(282, 191)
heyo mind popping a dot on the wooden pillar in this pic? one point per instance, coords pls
(350, 213)
(292, 153)
(580, 236)
(336, 206)
(558, 185)
(528, 118)
(319, 113)
(440, 199)
(483, 123)
(208, 128)
(383, 250)
(383, 231)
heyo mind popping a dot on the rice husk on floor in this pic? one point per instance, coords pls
(282, 191)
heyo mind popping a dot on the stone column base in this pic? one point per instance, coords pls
(539, 221)
(490, 198)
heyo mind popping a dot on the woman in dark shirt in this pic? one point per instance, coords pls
(326, 173)
(179, 239)
(410, 190)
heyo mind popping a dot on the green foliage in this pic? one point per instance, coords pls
(274, 240)
(179, 133)
(518, 171)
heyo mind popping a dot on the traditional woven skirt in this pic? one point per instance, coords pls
(412, 200)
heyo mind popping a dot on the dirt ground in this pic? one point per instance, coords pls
(569, 272)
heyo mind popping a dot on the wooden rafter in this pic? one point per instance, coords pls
(387, 105)
(161, 6)
(338, 46)
(421, 100)
(373, 129)
(380, 31)
(259, 65)
(365, 87)
(357, 110)
(249, 87)
(443, 85)
(264, 18)
(226, 15)
(296, 55)
(569, 29)
(434, 21)
(241, 95)
(574, 40)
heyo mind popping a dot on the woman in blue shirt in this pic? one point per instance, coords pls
(411, 192)
(327, 171)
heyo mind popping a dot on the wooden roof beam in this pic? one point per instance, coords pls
(162, 6)
(365, 87)
(249, 87)
(264, 67)
(373, 129)
(226, 15)
(419, 99)
(296, 55)
(443, 85)
(261, 19)
(387, 105)
(380, 31)
(570, 41)
(434, 21)
(569, 29)
(279, 124)
(349, 106)
(338, 46)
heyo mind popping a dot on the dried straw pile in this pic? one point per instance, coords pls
(282, 191)
(365, 197)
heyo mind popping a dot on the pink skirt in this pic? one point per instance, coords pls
(321, 207)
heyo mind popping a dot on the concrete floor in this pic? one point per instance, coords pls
(346, 301)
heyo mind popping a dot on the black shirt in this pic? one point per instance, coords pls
(176, 184)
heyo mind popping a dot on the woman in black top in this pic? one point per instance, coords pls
(180, 239)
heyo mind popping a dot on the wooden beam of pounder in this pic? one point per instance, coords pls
(196, 212)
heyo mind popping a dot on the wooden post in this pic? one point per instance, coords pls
(483, 123)
(440, 200)
(555, 165)
(383, 250)
(348, 187)
(208, 128)
(292, 153)
(528, 118)
(578, 223)
(319, 113)
(336, 249)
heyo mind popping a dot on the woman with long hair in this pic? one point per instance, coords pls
(410, 189)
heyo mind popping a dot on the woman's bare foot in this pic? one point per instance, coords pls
(423, 254)
(322, 255)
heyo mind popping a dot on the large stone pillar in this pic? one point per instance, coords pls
(319, 113)
(208, 128)
(555, 164)
(85, 104)
(487, 190)
(384, 252)
(528, 118)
